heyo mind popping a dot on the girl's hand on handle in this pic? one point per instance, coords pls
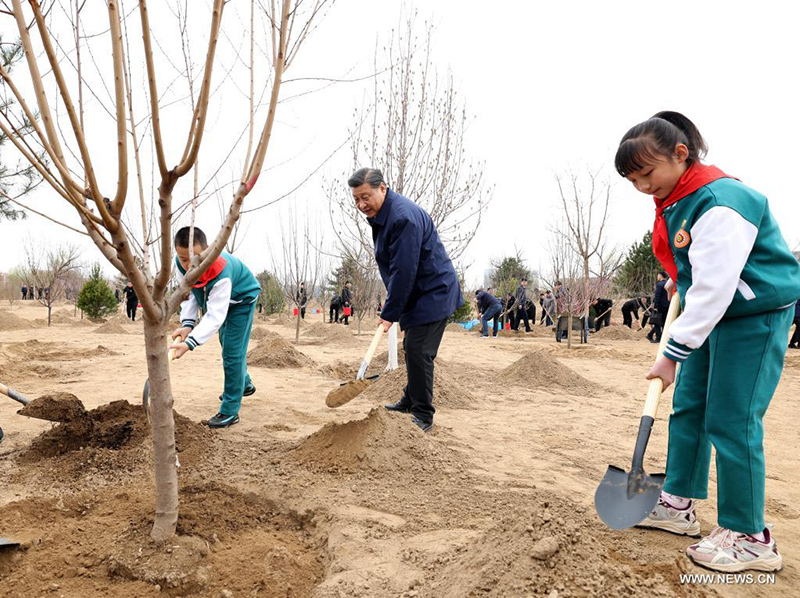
(178, 349)
(181, 333)
(663, 368)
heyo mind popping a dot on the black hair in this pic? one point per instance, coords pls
(182, 237)
(347, 283)
(662, 274)
(372, 176)
(657, 137)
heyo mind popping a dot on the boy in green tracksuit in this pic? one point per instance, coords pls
(227, 294)
(738, 280)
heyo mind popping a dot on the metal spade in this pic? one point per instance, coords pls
(623, 499)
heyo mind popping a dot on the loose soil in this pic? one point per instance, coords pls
(302, 500)
(619, 333)
(111, 328)
(277, 353)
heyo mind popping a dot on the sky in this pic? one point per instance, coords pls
(550, 87)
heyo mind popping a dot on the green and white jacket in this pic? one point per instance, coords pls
(732, 261)
(234, 285)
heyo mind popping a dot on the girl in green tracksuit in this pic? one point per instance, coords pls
(738, 281)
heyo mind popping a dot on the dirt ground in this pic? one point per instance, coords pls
(303, 500)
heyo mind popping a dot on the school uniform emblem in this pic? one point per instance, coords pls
(682, 238)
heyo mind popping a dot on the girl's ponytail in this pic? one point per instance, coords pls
(658, 136)
(696, 144)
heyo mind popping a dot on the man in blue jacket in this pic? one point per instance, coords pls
(421, 284)
(488, 309)
(659, 309)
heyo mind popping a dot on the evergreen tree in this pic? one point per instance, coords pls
(96, 297)
(637, 276)
(508, 271)
(272, 298)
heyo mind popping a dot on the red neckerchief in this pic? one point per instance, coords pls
(212, 272)
(696, 176)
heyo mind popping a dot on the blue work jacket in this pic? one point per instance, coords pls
(421, 283)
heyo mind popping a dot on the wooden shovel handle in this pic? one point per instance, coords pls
(373, 346)
(657, 384)
(13, 394)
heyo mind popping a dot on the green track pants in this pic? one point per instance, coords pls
(722, 392)
(234, 336)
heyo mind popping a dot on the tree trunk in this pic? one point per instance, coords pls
(297, 327)
(569, 330)
(163, 426)
(49, 309)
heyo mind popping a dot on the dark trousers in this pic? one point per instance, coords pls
(796, 336)
(130, 309)
(303, 313)
(645, 319)
(491, 314)
(521, 314)
(627, 317)
(603, 321)
(655, 332)
(333, 315)
(421, 344)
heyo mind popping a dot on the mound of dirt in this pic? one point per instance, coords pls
(277, 353)
(339, 370)
(341, 335)
(447, 390)
(58, 407)
(455, 327)
(380, 442)
(109, 437)
(554, 550)
(618, 333)
(537, 369)
(258, 333)
(10, 321)
(284, 320)
(111, 327)
(36, 350)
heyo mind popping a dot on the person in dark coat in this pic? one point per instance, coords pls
(24, 293)
(131, 301)
(488, 309)
(660, 308)
(531, 309)
(302, 300)
(602, 309)
(335, 306)
(548, 308)
(421, 283)
(347, 301)
(520, 301)
(630, 311)
(795, 342)
(508, 310)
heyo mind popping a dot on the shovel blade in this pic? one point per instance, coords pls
(624, 499)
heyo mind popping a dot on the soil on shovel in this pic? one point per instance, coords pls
(346, 393)
(57, 407)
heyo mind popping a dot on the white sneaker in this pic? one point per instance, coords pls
(676, 521)
(729, 551)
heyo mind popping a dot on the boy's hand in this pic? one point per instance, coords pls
(178, 349)
(663, 368)
(182, 333)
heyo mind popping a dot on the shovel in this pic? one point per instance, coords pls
(48, 408)
(146, 389)
(624, 499)
(350, 390)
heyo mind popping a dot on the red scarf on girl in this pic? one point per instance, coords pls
(696, 176)
(213, 271)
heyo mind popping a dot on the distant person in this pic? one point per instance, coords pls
(602, 308)
(117, 295)
(541, 308)
(548, 308)
(421, 283)
(333, 311)
(630, 311)
(660, 308)
(795, 342)
(131, 301)
(647, 305)
(488, 309)
(24, 293)
(508, 311)
(347, 303)
(227, 293)
(520, 300)
(302, 300)
(530, 307)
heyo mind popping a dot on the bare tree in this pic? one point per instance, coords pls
(414, 130)
(71, 173)
(579, 241)
(300, 262)
(49, 270)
